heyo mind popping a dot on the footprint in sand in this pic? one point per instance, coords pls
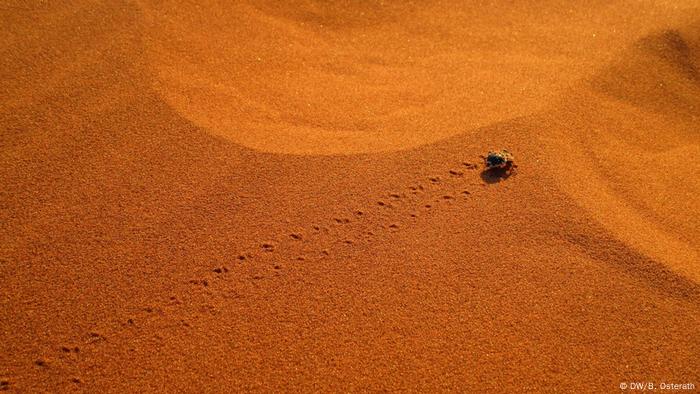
(41, 363)
(95, 337)
(242, 257)
(70, 350)
(202, 282)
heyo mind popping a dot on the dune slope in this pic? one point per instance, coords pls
(257, 197)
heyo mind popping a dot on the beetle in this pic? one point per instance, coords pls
(502, 160)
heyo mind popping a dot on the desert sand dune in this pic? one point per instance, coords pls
(254, 197)
(387, 78)
(642, 122)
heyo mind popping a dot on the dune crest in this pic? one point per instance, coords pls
(631, 148)
(335, 79)
(659, 72)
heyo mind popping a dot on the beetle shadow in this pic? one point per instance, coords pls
(495, 175)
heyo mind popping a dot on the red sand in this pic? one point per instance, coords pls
(207, 197)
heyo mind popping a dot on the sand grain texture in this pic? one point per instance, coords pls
(216, 197)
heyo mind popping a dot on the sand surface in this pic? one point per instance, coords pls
(218, 196)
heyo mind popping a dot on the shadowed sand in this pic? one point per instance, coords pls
(291, 198)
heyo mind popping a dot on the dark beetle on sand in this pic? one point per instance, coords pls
(502, 160)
